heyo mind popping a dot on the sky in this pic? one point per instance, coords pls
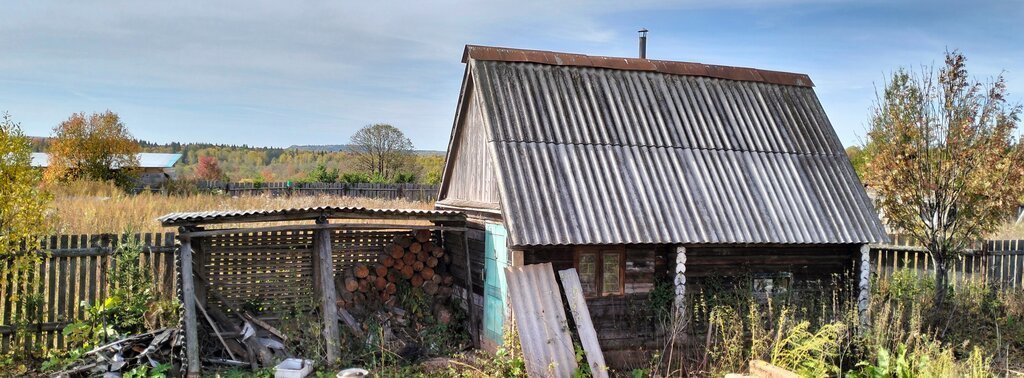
(274, 73)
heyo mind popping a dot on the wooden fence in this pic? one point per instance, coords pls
(410, 192)
(997, 262)
(72, 270)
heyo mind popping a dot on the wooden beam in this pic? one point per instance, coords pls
(314, 227)
(323, 268)
(473, 332)
(188, 294)
(216, 331)
(584, 325)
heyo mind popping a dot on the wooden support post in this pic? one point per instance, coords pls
(323, 273)
(189, 302)
(473, 332)
(680, 280)
(864, 287)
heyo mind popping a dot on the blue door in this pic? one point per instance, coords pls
(495, 287)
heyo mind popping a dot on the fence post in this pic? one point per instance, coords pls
(189, 303)
(323, 285)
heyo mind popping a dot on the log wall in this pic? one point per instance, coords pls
(627, 326)
(621, 321)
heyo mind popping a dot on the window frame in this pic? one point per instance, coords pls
(599, 253)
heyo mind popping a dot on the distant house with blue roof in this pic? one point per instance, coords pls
(155, 169)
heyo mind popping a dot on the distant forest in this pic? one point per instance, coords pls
(267, 164)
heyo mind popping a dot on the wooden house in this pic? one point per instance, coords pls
(638, 171)
(154, 170)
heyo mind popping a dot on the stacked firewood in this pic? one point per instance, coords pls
(411, 258)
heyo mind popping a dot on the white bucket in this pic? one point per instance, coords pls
(353, 373)
(293, 368)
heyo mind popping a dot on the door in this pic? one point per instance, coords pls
(495, 287)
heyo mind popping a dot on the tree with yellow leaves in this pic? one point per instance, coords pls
(22, 204)
(945, 159)
(22, 209)
(96, 147)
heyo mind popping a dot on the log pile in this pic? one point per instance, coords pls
(410, 258)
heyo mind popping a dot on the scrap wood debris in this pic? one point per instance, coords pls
(151, 348)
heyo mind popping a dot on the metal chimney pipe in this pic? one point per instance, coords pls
(643, 43)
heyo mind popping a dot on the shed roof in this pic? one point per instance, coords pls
(655, 152)
(305, 213)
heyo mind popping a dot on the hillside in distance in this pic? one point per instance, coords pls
(268, 164)
(348, 148)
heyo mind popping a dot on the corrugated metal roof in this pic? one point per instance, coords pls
(40, 159)
(146, 160)
(540, 319)
(233, 216)
(157, 160)
(601, 156)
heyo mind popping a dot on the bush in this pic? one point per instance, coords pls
(322, 174)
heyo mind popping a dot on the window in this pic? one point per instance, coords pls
(601, 270)
(768, 285)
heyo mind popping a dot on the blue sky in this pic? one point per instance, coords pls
(283, 73)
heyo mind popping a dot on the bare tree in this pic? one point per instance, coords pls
(381, 150)
(945, 159)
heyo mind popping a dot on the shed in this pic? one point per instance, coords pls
(639, 171)
(230, 258)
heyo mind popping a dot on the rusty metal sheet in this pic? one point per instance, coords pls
(486, 53)
(540, 318)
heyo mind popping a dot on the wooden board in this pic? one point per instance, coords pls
(584, 326)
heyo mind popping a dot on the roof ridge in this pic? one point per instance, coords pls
(505, 54)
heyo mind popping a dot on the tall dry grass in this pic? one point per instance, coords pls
(91, 208)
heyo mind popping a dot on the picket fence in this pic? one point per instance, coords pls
(999, 263)
(409, 192)
(71, 274)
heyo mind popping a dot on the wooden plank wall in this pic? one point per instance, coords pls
(453, 245)
(998, 262)
(472, 175)
(73, 269)
(410, 192)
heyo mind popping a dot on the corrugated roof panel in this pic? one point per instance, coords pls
(540, 318)
(600, 156)
(157, 160)
(200, 217)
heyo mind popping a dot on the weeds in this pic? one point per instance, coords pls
(92, 208)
